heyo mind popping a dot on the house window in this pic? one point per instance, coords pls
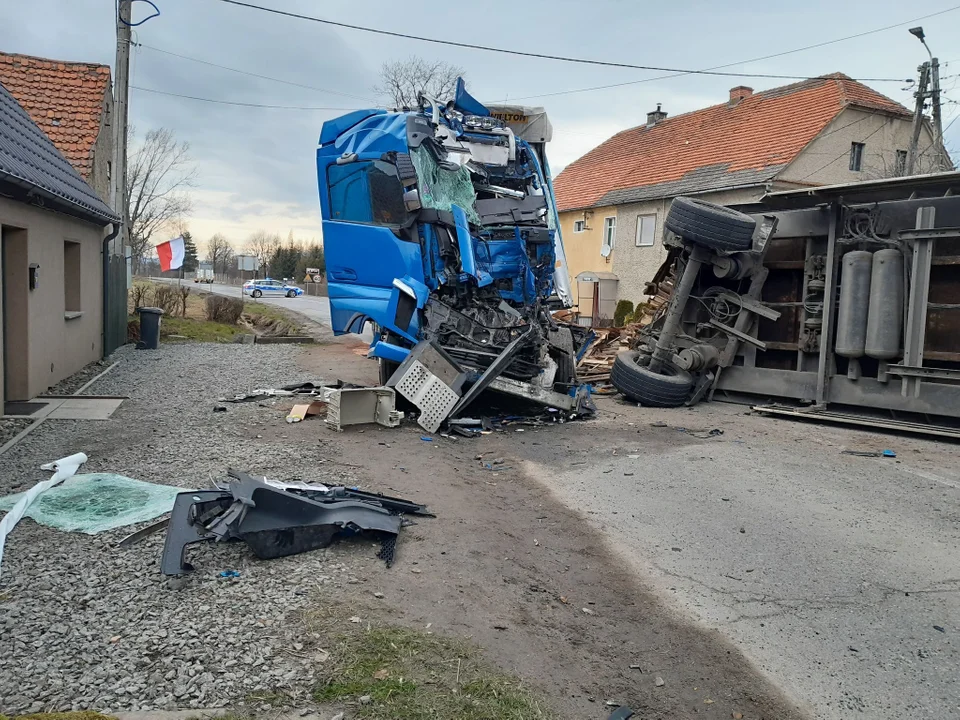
(579, 225)
(609, 231)
(646, 230)
(900, 168)
(71, 277)
(856, 156)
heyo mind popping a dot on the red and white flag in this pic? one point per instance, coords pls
(171, 254)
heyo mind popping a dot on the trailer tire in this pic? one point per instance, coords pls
(710, 225)
(669, 388)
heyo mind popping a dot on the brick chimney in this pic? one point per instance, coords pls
(739, 93)
(656, 116)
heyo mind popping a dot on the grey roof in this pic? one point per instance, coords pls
(30, 162)
(704, 179)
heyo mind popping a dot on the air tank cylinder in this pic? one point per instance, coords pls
(885, 316)
(854, 303)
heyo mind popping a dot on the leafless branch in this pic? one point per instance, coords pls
(403, 81)
(159, 174)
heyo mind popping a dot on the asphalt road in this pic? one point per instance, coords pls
(838, 575)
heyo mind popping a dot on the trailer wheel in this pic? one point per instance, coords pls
(670, 387)
(710, 225)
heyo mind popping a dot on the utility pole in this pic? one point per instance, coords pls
(921, 95)
(929, 75)
(121, 90)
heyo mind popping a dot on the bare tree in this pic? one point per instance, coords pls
(219, 253)
(262, 245)
(159, 172)
(403, 81)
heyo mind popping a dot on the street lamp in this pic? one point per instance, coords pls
(917, 32)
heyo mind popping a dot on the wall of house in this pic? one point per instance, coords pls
(826, 160)
(99, 178)
(56, 345)
(583, 248)
(636, 266)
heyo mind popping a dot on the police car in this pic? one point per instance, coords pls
(268, 287)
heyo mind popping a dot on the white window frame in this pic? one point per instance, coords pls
(579, 226)
(652, 217)
(610, 231)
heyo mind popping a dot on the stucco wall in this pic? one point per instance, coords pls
(636, 266)
(583, 248)
(99, 178)
(56, 347)
(826, 160)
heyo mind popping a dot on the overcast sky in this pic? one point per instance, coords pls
(256, 166)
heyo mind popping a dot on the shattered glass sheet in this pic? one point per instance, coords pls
(96, 502)
(442, 189)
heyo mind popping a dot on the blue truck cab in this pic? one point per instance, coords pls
(440, 223)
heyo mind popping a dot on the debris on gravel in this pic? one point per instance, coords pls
(85, 625)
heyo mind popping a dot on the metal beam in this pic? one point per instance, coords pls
(829, 308)
(919, 291)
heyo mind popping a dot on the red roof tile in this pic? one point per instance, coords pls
(64, 98)
(765, 130)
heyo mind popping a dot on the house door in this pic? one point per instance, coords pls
(14, 282)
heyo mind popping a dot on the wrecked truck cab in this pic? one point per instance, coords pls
(440, 224)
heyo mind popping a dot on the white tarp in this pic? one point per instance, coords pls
(62, 469)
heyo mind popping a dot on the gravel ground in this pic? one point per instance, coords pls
(10, 427)
(84, 625)
(68, 386)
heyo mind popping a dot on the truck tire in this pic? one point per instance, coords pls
(668, 388)
(710, 225)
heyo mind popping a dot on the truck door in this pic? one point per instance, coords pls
(363, 215)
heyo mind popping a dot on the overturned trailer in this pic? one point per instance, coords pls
(851, 306)
(440, 226)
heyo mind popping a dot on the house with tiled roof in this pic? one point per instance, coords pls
(54, 232)
(72, 103)
(822, 131)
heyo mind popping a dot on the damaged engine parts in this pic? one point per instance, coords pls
(276, 519)
(440, 226)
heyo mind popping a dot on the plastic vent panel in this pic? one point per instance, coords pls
(433, 398)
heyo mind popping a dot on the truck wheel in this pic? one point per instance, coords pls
(256, 294)
(670, 387)
(710, 225)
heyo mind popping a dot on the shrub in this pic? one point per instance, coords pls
(184, 294)
(624, 308)
(167, 298)
(138, 294)
(226, 310)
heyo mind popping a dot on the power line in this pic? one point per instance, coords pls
(239, 104)
(758, 59)
(824, 167)
(542, 56)
(253, 74)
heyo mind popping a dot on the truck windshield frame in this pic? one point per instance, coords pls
(367, 192)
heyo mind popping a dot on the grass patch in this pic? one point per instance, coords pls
(412, 675)
(258, 317)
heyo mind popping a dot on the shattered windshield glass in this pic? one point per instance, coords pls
(440, 189)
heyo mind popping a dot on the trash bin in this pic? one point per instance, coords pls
(149, 328)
